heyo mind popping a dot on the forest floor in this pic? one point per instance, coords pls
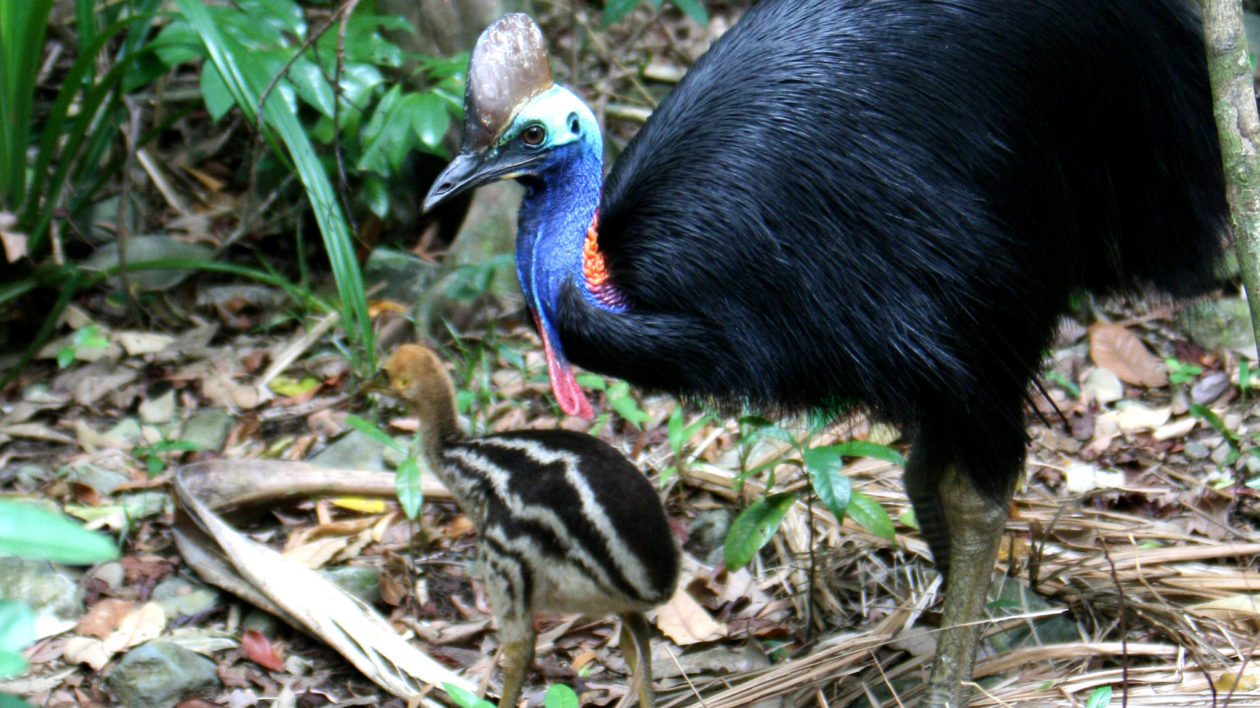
(1129, 563)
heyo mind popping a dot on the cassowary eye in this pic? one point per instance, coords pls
(533, 135)
(573, 124)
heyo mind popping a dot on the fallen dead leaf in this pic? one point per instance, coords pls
(86, 650)
(260, 650)
(1118, 350)
(683, 620)
(103, 618)
(137, 627)
(141, 343)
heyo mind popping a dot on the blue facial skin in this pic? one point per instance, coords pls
(562, 194)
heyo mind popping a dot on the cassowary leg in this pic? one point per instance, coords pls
(518, 658)
(515, 615)
(975, 524)
(636, 646)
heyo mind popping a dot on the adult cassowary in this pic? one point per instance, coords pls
(887, 201)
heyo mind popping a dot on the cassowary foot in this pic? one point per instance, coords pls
(518, 658)
(976, 523)
(636, 646)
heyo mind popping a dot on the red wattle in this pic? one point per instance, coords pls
(565, 386)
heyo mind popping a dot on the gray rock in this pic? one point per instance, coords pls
(150, 248)
(401, 276)
(208, 428)
(51, 591)
(352, 451)
(183, 598)
(362, 581)
(1219, 324)
(159, 674)
(1196, 450)
(709, 531)
(1209, 388)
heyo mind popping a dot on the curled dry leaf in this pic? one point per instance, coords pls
(683, 620)
(1118, 350)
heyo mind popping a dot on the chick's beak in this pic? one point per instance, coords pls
(378, 383)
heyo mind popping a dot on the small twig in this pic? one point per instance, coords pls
(284, 70)
(1124, 625)
(344, 192)
(122, 228)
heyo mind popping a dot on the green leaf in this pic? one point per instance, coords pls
(831, 486)
(312, 86)
(465, 698)
(621, 400)
(407, 484)
(864, 448)
(372, 430)
(12, 664)
(870, 515)
(693, 9)
(429, 120)
(754, 527)
(17, 625)
(7, 701)
(560, 696)
(30, 532)
(614, 10)
(1099, 698)
(215, 93)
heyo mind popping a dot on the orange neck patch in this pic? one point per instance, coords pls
(595, 269)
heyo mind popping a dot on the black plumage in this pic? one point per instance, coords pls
(881, 201)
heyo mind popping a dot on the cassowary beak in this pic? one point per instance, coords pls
(472, 169)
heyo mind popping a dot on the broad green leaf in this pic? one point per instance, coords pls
(830, 484)
(465, 698)
(864, 448)
(754, 527)
(560, 696)
(17, 625)
(622, 401)
(375, 194)
(31, 532)
(215, 93)
(407, 484)
(7, 701)
(614, 10)
(594, 382)
(371, 430)
(870, 515)
(429, 120)
(312, 86)
(693, 9)
(12, 664)
(1099, 698)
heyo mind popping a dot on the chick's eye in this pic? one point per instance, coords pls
(533, 135)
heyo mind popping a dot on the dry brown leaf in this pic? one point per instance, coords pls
(103, 618)
(260, 650)
(1242, 609)
(1118, 350)
(318, 552)
(86, 650)
(137, 627)
(683, 620)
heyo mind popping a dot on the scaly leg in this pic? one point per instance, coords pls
(636, 645)
(518, 659)
(975, 522)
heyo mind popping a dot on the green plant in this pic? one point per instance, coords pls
(88, 337)
(757, 524)
(678, 435)
(1180, 372)
(151, 455)
(464, 698)
(1099, 698)
(17, 631)
(560, 696)
(614, 10)
(407, 484)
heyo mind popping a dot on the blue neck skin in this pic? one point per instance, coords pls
(557, 210)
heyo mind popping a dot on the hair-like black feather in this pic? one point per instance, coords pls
(892, 202)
